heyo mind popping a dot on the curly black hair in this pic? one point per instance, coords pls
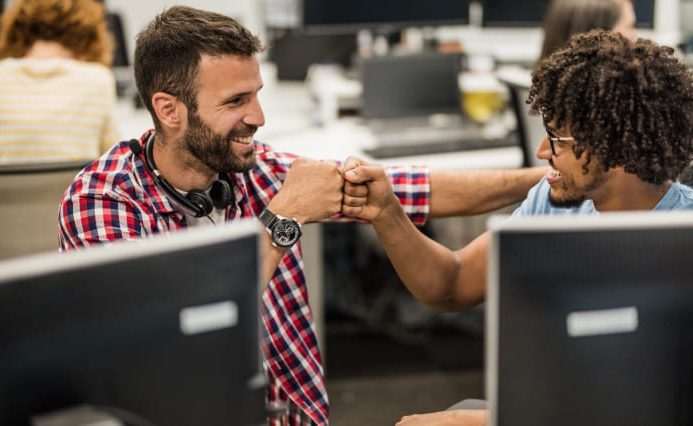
(629, 104)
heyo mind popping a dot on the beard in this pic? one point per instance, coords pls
(215, 150)
(567, 200)
(573, 196)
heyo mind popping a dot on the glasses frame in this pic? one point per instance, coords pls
(553, 139)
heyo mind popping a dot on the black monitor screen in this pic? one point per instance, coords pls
(644, 12)
(512, 13)
(590, 321)
(410, 85)
(121, 57)
(530, 13)
(163, 330)
(353, 15)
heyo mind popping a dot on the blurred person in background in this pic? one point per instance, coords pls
(564, 18)
(57, 92)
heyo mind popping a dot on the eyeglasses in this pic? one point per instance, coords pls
(560, 139)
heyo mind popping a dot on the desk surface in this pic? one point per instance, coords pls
(290, 117)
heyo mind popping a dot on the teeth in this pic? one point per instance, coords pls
(554, 173)
(245, 141)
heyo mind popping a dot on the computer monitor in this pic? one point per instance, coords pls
(410, 85)
(121, 57)
(509, 13)
(164, 330)
(644, 12)
(590, 320)
(530, 13)
(353, 15)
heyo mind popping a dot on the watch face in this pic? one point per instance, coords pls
(285, 233)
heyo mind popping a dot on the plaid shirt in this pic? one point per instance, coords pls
(115, 198)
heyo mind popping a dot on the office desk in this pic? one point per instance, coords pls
(290, 117)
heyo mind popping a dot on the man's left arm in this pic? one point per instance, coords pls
(425, 193)
(455, 193)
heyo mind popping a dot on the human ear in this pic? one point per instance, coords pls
(168, 109)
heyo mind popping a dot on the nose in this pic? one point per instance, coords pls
(543, 151)
(254, 115)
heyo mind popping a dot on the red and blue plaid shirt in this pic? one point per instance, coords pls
(115, 198)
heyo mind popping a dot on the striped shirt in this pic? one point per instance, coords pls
(116, 198)
(55, 110)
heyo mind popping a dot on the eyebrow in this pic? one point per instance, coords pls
(234, 96)
(239, 95)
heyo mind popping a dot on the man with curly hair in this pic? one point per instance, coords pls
(619, 123)
(57, 92)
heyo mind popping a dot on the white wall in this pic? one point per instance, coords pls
(136, 14)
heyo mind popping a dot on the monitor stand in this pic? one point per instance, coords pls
(82, 415)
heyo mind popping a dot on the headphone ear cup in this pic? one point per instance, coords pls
(200, 203)
(221, 193)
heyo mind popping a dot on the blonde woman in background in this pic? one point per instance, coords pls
(57, 92)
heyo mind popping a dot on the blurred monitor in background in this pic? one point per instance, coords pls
(510, 13)
(410, 85)
(121, 56)
(326, 31)
(644, 11)
(532, 13)
(352, 16)
(294, 50)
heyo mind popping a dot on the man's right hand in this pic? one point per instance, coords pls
(447, 418)
(312, 191)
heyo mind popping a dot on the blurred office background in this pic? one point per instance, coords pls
(386, 355)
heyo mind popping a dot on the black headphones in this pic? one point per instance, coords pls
(196, 202)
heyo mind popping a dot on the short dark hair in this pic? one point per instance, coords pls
(630, 104)
(168, 51)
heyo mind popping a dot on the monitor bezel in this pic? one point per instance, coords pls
(501, 224)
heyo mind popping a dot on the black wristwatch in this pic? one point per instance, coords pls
(283, 231)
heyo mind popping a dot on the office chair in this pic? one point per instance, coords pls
(530, 127)
(30, 197)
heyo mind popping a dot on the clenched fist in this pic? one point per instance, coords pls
(312, 191)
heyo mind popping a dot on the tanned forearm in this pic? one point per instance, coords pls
(428, 269)
(479, 191)
(271, 256)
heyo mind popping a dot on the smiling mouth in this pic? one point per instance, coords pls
(553, 175)
(246, 140)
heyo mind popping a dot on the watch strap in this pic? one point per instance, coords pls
(268, 219)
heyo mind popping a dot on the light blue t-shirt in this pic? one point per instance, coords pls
(678, 197)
